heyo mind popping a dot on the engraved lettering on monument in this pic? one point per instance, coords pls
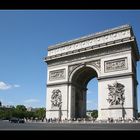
(116, 94)
(56, 98)
(57, 75)
(116, 65)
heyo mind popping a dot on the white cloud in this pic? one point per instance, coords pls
(16, 86)
(31, 101)
(5, 86)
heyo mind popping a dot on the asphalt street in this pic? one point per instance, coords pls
(5, 125)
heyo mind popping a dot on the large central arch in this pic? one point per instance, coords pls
(111, 56)
(79, 79)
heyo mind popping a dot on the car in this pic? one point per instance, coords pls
(16, 120)
(21, 121)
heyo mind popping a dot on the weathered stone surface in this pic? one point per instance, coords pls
(105, 55)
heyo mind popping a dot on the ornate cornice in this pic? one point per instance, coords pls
(91, 48)
(91, 36)
(116, 75)
(91, 40)
(89, 55)
(100, 40)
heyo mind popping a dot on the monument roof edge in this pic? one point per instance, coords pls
(90, 36)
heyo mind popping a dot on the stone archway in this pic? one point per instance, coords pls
(112, 57)
(79, 79)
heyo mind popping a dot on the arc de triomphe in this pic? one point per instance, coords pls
(111, 56)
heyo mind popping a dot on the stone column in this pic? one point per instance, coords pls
(69, 102)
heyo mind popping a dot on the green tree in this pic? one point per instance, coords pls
(94, 113)
(40, 113)
(20, 111)
(6, 113)
(30, 115)
(2, 113)
(21, 108)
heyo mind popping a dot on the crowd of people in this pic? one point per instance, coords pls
(85, 120)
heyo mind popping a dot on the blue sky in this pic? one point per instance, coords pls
(25, 36)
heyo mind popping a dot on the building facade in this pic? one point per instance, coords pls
(111, 56)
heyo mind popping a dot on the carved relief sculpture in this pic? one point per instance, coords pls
(111, 57)
(72, 67)
(56, 98)
(116, 94)
(96, 63)
(115, 65)
(57, 75)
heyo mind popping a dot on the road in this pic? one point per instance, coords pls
(5, 125)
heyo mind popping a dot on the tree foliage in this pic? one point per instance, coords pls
(6, 113)
(20, 111)
(40, 113)
(21, 108)
(94, 113)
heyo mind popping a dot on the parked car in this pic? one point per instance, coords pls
(16, 120)
(21, 121)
